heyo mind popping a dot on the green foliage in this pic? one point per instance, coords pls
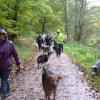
(92, 25)
(47, 10)
(23, 16)
(25, 48)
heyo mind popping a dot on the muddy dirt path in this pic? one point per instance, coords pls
(72, 86)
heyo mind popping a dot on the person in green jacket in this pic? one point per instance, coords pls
(58, 42)
(59, 39)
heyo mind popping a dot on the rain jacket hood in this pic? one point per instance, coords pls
(2, 31)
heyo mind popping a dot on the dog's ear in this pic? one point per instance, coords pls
(50, 78)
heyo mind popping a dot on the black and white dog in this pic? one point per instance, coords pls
(42, 59)
(96, 68)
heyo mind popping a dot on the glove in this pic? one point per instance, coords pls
(17, 69)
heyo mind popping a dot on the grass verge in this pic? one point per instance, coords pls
(24, 48)
(86, 57)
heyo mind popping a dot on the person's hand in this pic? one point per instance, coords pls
(17, 69)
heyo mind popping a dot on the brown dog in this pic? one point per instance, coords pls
(49, 82)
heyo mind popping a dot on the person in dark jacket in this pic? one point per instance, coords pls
(49, 39)
(7, 53)
(40, 41)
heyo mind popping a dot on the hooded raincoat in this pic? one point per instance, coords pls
(7, 52)
(59, 38)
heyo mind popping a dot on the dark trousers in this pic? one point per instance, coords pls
(4, 82)
(61, 45)
(57, 49)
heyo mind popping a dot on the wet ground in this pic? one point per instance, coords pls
(72, 86)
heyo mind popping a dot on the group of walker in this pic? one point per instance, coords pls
(54, 41)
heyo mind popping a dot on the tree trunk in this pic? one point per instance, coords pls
(82, 15)
(43, 25)
(16, 10)
(76, 19)
(65, 5)
(79, 20)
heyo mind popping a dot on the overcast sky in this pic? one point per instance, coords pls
(94, 2)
